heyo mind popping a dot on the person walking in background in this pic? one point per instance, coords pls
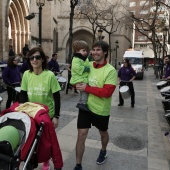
(167, 67)
(11, 51)
(53, 64)
(12, 78)
(80, 70)
(126, 75)
(25, 50)
(102, 83)
(40, 85)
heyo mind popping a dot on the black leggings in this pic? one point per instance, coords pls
(12, 96)
(132, 92)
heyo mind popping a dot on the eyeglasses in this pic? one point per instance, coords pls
(37, 57)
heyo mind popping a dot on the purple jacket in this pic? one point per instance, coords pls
(167, 71)
(126, 73)
(11, 76)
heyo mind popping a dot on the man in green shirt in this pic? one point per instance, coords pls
(102, 81)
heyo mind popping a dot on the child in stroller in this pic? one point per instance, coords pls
(28, 141)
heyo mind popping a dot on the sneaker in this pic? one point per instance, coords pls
(77, 168)
(83, 107)
(102, 157)
(46, 166)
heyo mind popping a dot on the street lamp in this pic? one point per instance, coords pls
(30, 16)
(40, 3)
(100, 34)
(164, 31)
(115, 49)
(159, 53)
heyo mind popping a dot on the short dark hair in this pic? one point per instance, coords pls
(31, 52)
(54, 54)
(104, 46)
(10, 61)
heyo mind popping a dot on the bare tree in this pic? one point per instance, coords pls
(151, 24)
(105, 17)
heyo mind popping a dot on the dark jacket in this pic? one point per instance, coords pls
(11, 53)
(25, 50)
(53, 66)
(11, 76)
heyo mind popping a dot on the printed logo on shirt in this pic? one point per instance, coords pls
(93, 81)
(37, 90)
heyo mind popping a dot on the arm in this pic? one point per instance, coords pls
(134, 75)
(5, 78)
(57, 104)
(23, 97)
(132, 78)
(106, 91)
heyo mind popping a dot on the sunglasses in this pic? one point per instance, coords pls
(37, 57)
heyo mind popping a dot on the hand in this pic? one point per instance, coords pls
(81, 86)
(55, 122)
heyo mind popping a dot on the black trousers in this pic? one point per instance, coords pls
(12, 96)
(132, 92)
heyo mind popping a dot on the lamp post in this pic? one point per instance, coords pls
(159, 50)
(115, 49)
(100, 34)
(164, 37)
(40, 3)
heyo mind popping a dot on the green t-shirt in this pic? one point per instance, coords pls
(77, 71)
(98, 78)
(40, 88)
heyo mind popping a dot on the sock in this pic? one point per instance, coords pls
(78, 165)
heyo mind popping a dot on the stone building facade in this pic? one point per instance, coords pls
(17, 31)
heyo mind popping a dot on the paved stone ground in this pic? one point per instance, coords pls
(137, 140)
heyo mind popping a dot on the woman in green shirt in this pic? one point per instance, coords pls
(40, 85)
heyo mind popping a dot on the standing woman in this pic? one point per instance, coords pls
(40, 85)
(12, 78)
(126, 75)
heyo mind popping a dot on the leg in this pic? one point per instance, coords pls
(131, 88)
(80, 145)
(104, 139)
(10, 96)
(83, 125)
(83, 102)
(121, 101)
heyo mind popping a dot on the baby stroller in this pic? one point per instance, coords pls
(21, 137)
